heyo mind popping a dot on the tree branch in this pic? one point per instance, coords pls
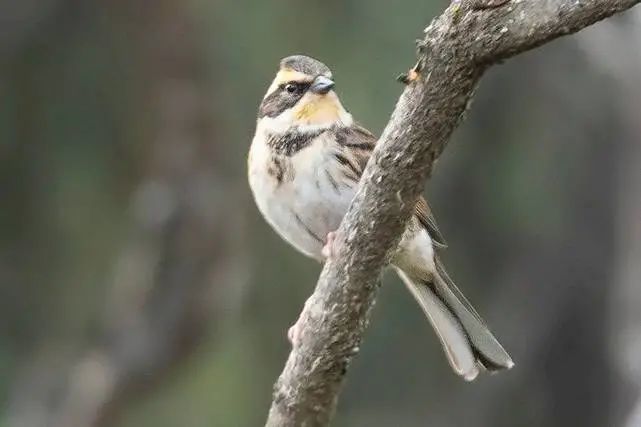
(458, 47)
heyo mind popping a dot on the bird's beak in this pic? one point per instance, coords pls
(322, 85)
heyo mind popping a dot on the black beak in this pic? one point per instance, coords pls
(322, 85)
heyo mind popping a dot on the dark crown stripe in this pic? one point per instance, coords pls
(306, 65)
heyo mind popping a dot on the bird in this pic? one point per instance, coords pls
(304, 166)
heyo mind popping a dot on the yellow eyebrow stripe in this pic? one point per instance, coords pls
(288, 75)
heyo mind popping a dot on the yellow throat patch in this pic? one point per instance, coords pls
(318, 109)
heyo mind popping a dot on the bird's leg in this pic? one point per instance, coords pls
(294, 331)
(329, 250)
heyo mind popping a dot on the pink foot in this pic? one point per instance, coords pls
(295, 331)
(329, 250)
(293, 334)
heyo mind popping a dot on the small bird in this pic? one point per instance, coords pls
(305, 162)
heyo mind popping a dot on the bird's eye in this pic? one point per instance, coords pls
(291, 88)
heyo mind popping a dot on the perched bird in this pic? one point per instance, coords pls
(305, 163)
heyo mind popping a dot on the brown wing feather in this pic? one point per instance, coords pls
(355, 143)
(425, 216)
(355, 146)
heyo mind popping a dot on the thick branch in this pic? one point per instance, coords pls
(458, 47)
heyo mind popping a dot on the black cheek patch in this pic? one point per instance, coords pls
(277, 102)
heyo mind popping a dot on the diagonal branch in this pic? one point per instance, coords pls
(458, 47)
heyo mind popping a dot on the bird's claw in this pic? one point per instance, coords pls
(295, 331)
(293, 334)
(329, 250)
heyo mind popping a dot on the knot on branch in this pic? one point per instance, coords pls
(412, 74)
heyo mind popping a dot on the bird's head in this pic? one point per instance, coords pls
(302, 96)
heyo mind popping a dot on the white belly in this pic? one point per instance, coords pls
(304, 205)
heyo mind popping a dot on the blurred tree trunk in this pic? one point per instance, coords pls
(588, 271)
(626, 317)
(558, 275)
(614, 51)
(182, 269)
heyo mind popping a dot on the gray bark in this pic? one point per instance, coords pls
(458, 47)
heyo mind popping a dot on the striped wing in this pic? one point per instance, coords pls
(354, 147)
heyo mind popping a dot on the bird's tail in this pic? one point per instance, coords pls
(466, 339)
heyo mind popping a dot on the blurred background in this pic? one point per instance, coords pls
(140, 287)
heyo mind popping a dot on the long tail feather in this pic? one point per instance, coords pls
(468, 343)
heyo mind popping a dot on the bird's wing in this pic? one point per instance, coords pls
(354, 146)
(426, 217)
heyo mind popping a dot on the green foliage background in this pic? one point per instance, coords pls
(531, 195)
